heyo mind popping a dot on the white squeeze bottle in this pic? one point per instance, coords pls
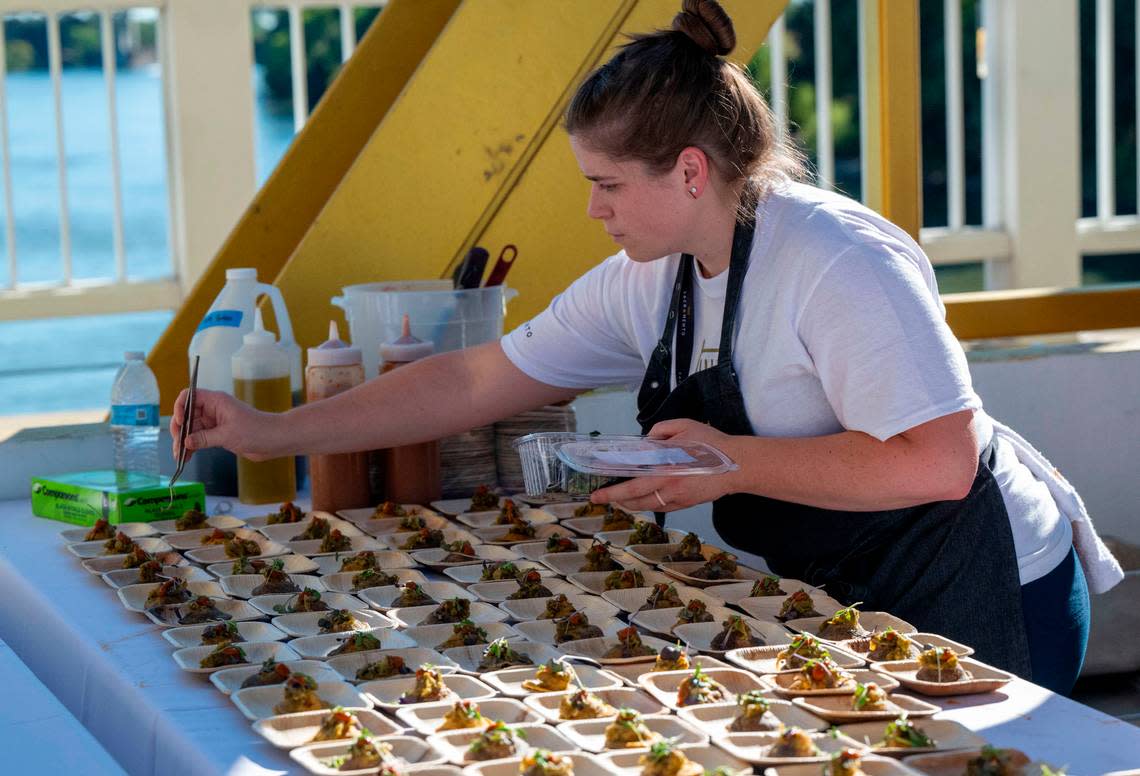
(134, 416)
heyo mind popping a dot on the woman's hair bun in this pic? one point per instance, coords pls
(707, 24)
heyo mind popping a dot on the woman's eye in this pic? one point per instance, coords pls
(608, 187)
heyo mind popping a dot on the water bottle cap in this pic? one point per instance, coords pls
(334, 351)
(134, 355)
(241, 273)
(259, 335)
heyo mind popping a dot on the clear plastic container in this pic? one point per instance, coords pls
(579, 464)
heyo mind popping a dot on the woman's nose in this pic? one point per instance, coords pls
(595, 208)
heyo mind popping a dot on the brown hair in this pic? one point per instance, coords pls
(671, 89)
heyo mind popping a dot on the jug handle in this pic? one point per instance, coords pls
(284, 327)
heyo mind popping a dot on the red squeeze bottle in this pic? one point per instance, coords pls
(411, 472)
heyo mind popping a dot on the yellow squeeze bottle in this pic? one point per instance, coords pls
(261, 370)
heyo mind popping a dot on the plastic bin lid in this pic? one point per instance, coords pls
(636, 456)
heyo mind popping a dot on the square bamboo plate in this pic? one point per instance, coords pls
(684, 572)
(225, 522)
(256, 653)
(869, 621)
(837, 708)
(708, 757)
(289, 731)
(258, 702)
(622, 538)
(984, 678)
(458, 506)
(382, 598)
(319, 758)
(269, 603)
(243, 585)
(133, 530)
(229, 680)
(431, 636)
(714, 718)
(451, 534)
(755, 747)
(954, 763)
(654, 554)
(497, 592)
(425, 718)
(763, 660)
(433, 557)
(663, 685)
(308, 623)
(547, 703)
(535, 550)
(365, 514)
(124, 577)
(191, 635)
(89, 550)
(311, 548)
(414, 657)
(193, 539)
(487, 519)
(341, 581)
(374, 526)
(698, 636)
(631, 673)
(584, 765)
(780, 684)
(594, 581)
(470, 573)
(291, 564)
(411, 616)
(595, 649)
(386, 693)
(565, 510)
(630, 600)
(564, 563)
(592, 606)
(862, 646)
(133, 597)
(542, 631)
(768, 607)
(469, 658)
(238, 611)
(217, 553)
(319, 647)
(289, 532)
(386, 559)
(590, 734)
(453, 743)
(870, 764)
(947, 735)
(263, 520)
(497, 534)
(509, 681)
(589, 526)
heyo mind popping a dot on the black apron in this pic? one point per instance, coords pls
(948, 567)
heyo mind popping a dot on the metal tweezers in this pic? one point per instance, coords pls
(187, 419)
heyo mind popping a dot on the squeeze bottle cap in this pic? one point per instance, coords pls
(334, 351)
(241, 273)
(259, 335)
(406, 348)
(134, 355)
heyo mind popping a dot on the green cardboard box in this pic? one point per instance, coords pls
(119, 497)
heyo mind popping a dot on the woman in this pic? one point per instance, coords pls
(790, 327)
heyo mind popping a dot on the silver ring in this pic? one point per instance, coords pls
(660, 500)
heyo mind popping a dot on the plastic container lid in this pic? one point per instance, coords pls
(334, 351)
(241, 273)
(635, 456)
(406, 348)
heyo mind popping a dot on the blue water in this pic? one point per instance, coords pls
(68, 363)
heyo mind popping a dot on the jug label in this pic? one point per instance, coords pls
(231, 318)
(134, 415)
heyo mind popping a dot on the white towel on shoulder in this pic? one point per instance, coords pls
(1102, 570)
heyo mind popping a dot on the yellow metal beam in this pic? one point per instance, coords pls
(1029, 312)
(893, 119)
(277, 219)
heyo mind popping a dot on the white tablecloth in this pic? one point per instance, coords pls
(113, 670)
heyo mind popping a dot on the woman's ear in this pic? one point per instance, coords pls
(693, 170)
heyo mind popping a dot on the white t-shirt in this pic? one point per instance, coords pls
(840, 327)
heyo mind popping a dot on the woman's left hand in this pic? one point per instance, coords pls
(648, 493)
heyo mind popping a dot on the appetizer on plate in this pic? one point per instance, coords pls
(300, 694)
(508, 513)
(335, 541)
(499, 654)
(288, 513)
(247, 565)
(118, 544)
(495, 742)
(237, 547)
(308, 600)
(804, 647)
(598, 558)
(940, 664)
(793, 742)
(170, 591)
(543, 762)
(559, 543)
(150, 571)
(373, 578)
(519, 530)
(645, 532)
(617, 519)
(844, 624)
(384, 668)
(360, 641)
(623, 580)
(768, 586)
(222, 633)
(736, 634)
(797, 605)
(629, 645)
(530, 586)
(464, 634)
(451, 610)
(553, 676)
(664, 595)
(700, 688)
(483, 500)
(423, 539)
(665, 759)
(754, 714)
(672, 658)
(361, 561)
(889, 644)
(584, 704)
(367, 752)
(463, 716)
(200, 610)
(590, 510)
(821, 674)
(318, 528)
(388, 509)
(136, 556)
(191, 519)
(429, 687)
(224, 655)
(576, 626)
(992, 761)
(868, 697)
(846, 762)
(556, 607)
(904, 734)
(275, 580)
(690, 550)
(629, 731)
(499, 570)
(338, 621)
(411, 523)
(217, 536)
(411, 594)
(100, 531)
(336, 725)
(270, 673)
(722, 565)
(694, 611)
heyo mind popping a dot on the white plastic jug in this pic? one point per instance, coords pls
(229, 319)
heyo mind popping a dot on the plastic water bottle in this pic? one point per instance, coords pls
(134, 416)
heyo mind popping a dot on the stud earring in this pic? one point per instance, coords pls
(693, 192)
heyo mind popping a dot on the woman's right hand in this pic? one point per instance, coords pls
(220, 420)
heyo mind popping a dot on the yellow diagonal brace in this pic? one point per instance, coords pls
(311, 169)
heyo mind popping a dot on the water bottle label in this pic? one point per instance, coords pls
(231, 318)
(134, 415)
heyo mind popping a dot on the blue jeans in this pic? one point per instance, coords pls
(1056, 610)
